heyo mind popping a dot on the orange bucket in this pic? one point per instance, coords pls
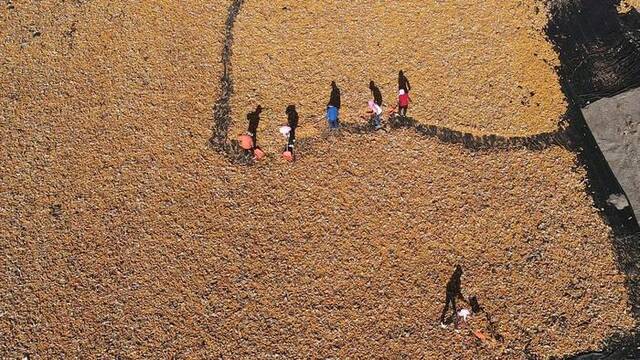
(246, 142)
(258, 153)
(287, 155)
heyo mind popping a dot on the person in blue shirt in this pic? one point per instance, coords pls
(333, 107)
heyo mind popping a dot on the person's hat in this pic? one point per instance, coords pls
(246, 142)
(285, 130)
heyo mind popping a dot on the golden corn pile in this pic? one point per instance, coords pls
(125, 235)
(626, 5)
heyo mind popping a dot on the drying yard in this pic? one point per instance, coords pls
(124, 234)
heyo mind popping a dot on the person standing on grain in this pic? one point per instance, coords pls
(292, 122)
(254, 121)
(333, 107)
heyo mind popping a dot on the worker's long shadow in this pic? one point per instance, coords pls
(446, 135)
(233, 152)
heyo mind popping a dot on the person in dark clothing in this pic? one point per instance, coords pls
(254, 121)
(292, 122)
(333, 107)
(403, 82)
(453, 292)
(375, 91)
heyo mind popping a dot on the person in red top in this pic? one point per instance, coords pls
(403, 102)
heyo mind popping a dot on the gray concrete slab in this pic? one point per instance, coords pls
(615, 124)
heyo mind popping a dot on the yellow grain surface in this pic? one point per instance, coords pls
(626, 5)
(482, 67)
(161, 248)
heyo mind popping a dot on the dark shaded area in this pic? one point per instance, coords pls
(253, 118)
(292, 122)
(599, 49)
(599, 53)
(222, 107)
(614, 123)
(485, 142)
(453, 291)
(469, 141)
(403, 82)
(601, 179)
(56, 210)
(375, 92)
